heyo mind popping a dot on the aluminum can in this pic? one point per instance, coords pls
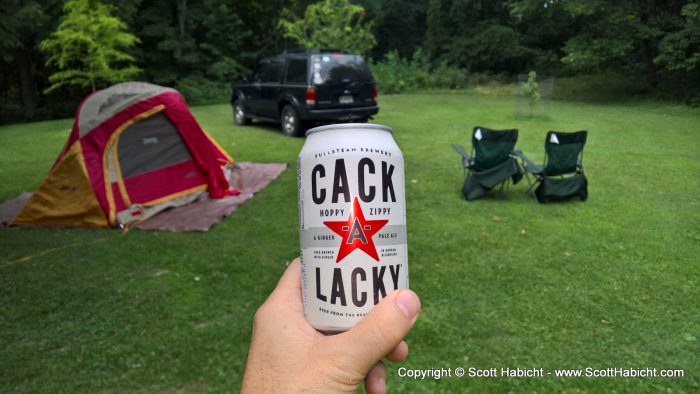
(352, 222)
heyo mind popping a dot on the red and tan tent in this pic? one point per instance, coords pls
(134, 150)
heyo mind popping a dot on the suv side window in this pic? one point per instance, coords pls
(272, 72)
(260, 71)
(296, 71)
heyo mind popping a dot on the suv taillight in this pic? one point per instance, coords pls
(375, 94)
(310, 96)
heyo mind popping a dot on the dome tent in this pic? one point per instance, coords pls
(134, 150)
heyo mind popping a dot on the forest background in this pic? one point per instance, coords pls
(611, 49)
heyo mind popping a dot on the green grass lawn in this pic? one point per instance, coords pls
(612, 282)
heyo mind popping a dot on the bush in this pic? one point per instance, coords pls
(395, 74)
(50, 109)
(198, 90)
(445, 76)
(58, 109)
(10, 113)
(602, 87)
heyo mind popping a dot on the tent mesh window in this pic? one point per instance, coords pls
(151, 144)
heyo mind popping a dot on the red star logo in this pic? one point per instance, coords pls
(357, 233)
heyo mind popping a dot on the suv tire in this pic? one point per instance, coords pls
(290, 123)
(240, 116)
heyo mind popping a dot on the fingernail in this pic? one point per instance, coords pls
(382, 382)
(408, 303)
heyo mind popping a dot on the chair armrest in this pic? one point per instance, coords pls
(466, 159)
(528, 164)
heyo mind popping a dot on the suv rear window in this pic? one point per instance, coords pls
(338, 68)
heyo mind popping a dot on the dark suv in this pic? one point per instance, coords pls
(299, 87)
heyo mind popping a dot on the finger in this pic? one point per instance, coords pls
(375, 382)
(381, 330)
(289, 284)
(285, 304)
(399, 353)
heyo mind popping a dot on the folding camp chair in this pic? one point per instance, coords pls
(491, 163)
(561, 175)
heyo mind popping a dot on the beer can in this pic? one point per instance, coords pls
(352, 222)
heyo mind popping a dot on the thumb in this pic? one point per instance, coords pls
(381, 330)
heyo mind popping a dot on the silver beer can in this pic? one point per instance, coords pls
(352, 222)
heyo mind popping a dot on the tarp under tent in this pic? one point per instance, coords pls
(134, 150)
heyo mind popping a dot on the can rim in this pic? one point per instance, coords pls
(349, 126)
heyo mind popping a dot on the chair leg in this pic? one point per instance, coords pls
(530, 184)
(502, 192)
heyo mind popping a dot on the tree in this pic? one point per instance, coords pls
(23, 24)
(196, 47)
(476, 34)
(398, 25)
(87, 47)
(532, 91)
(490, 47)
(330, 24)
(614, 33)
(436, 34)
(544, 27)
(680, 50)
(261, 20)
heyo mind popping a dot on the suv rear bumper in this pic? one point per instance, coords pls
(353, 113)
